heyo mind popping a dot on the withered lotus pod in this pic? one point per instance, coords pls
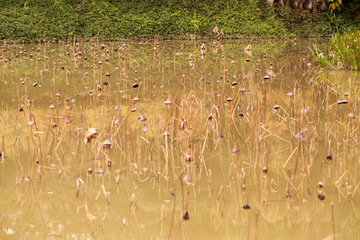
(107, 143)
(90, 134)
(342, 102)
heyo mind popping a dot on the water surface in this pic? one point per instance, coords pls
(238, 142)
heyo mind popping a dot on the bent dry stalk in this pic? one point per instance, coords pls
(259, 141)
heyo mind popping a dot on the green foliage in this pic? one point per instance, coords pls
(340, 11)
(343, 52)
(33, 20)
(319, 57)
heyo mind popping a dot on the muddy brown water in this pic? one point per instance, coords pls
(237, 142)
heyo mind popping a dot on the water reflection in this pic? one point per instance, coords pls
(176, 139)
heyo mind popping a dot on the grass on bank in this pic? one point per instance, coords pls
(33, 20)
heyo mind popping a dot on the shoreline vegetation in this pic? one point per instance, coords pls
(36, 20)
(343, 52)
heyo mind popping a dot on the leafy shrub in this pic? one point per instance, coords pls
(343, 52)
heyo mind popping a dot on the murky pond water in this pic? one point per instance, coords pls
(175, 139)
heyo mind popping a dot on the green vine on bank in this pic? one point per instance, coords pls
(33, 20)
